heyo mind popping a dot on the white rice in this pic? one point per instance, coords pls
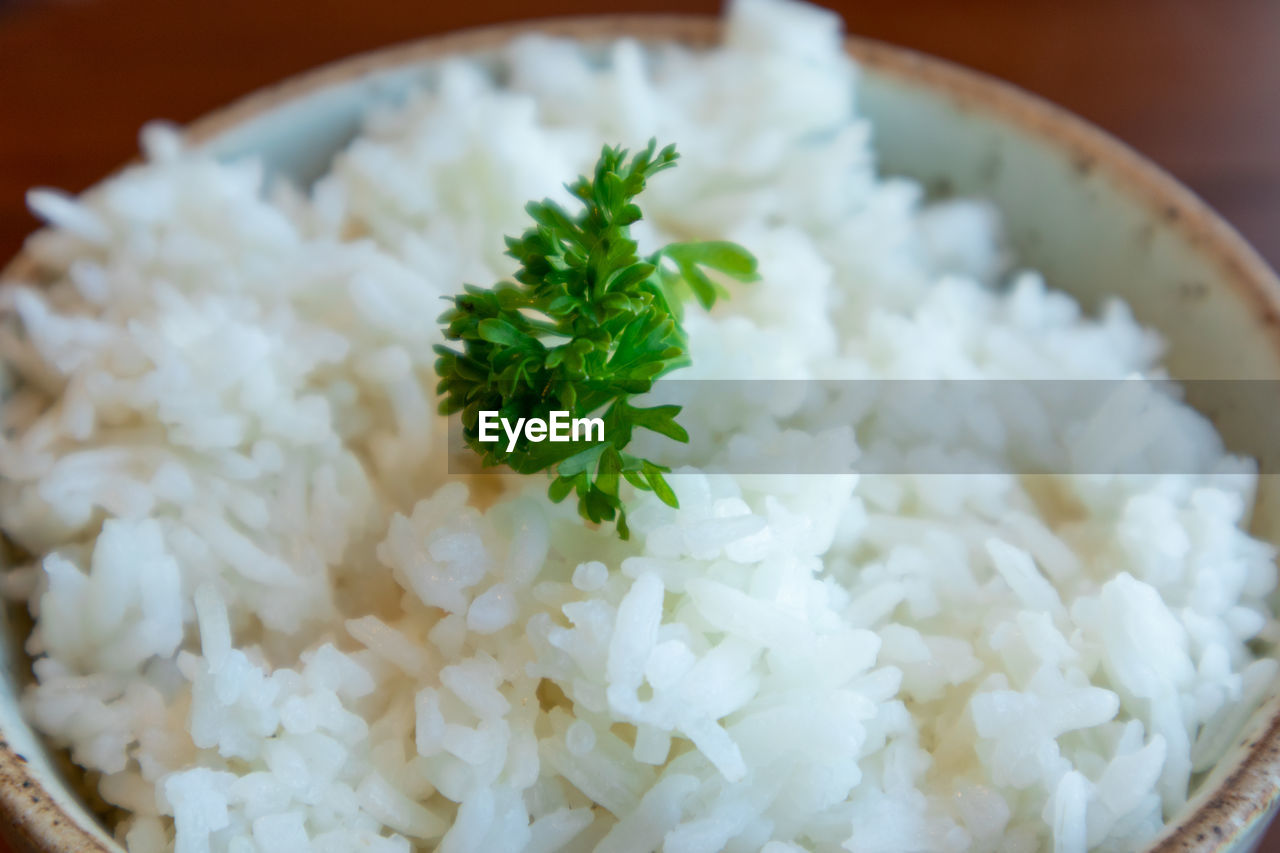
(267, 619)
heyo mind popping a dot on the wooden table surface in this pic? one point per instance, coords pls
(1194, 85)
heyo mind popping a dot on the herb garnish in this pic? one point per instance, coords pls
(585, 326)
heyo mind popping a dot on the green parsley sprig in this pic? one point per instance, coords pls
(585, 326)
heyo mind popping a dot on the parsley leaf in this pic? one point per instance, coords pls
(585, 326)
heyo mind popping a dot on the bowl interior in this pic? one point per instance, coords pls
(1087, 212)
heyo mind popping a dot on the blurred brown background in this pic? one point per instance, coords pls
(1193, 84)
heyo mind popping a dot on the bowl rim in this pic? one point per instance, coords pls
(1243, 798)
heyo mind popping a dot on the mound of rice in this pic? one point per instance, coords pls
(267, 619)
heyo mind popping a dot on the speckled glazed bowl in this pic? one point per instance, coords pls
(1090, 213)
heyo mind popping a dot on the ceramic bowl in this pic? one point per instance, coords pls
(1095, 217)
